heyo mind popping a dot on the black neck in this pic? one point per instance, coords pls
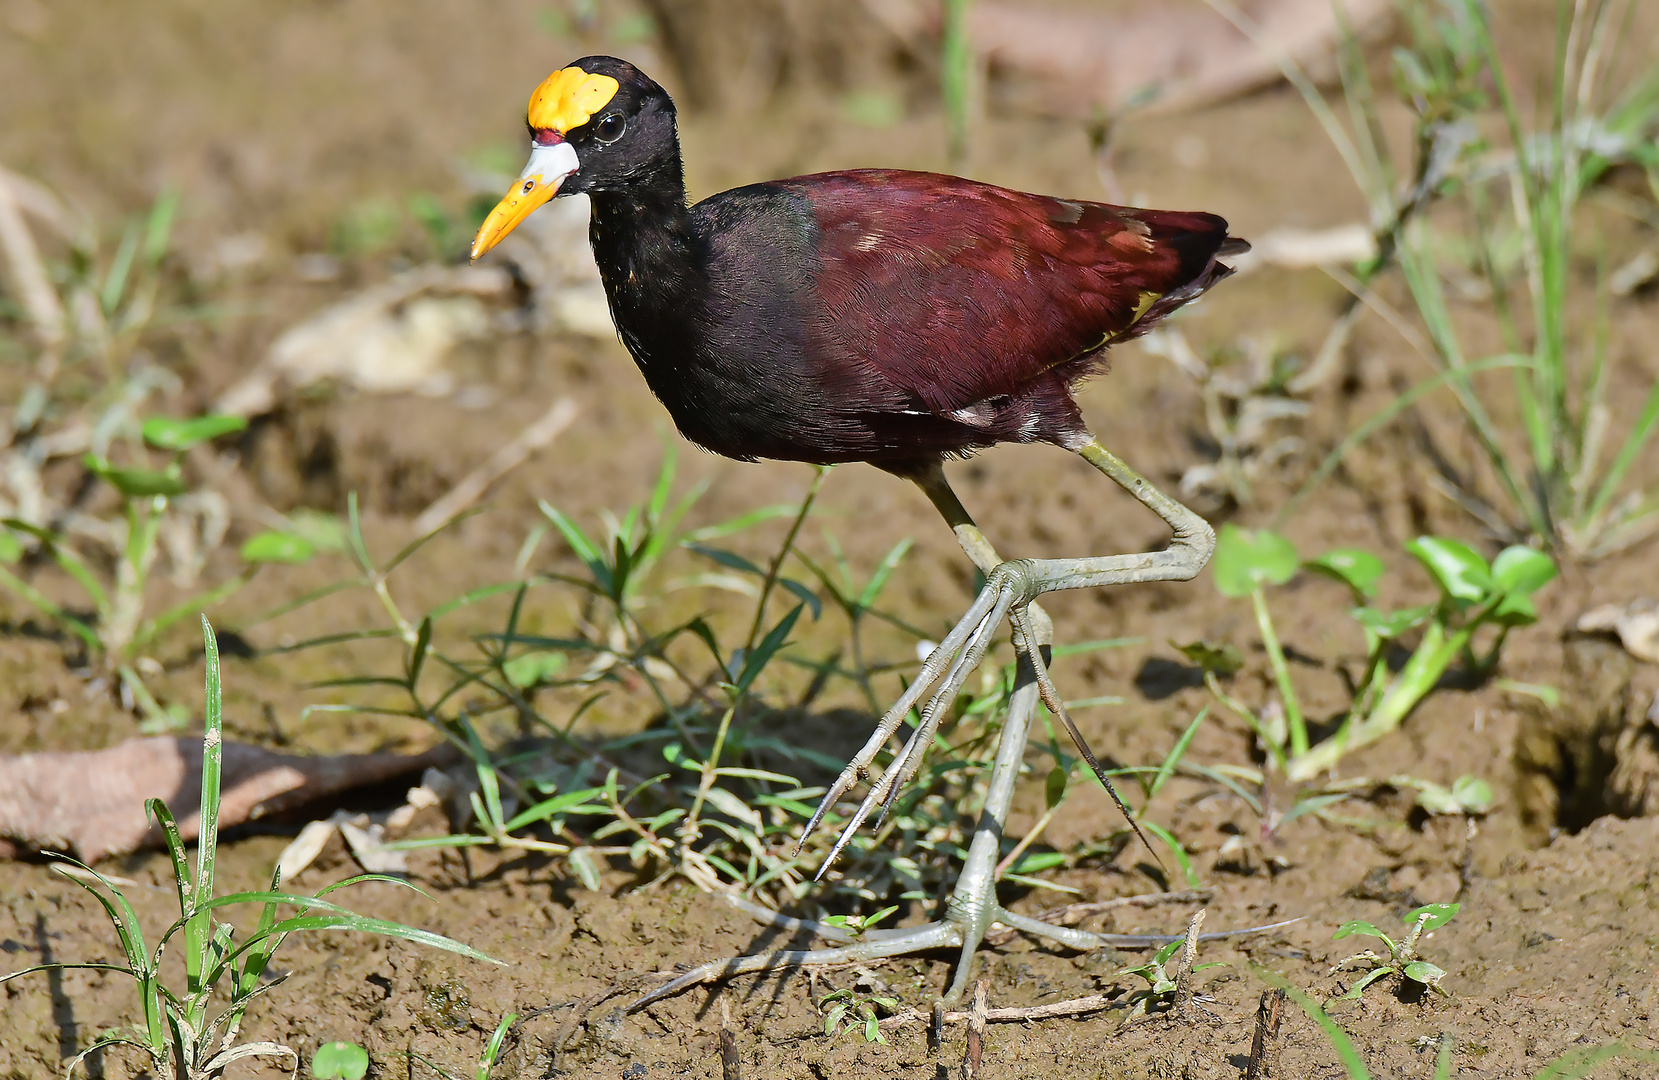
(651, 258)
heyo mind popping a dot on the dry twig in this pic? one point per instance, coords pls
(472, 486)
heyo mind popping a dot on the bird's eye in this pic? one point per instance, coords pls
(610, 128)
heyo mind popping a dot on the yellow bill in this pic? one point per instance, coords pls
(539, 182)
(565, 100)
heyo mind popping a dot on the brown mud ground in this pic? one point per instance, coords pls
(273, 118)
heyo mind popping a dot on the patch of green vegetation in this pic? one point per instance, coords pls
(1565, 481)
(1478, 601)
(339, 1061)
(1575, 1064)
(119, 624)
(180, 1039)
(1401, 960)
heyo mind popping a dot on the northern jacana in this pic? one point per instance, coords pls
(897, 318)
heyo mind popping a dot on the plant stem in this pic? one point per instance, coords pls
(819, 473)
(1281, 674)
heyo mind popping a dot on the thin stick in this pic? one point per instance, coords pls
(471, 488)
(976, 1033)
(1264, 1045)
(729, 1066)
(1189, 957)
(1054, 1010)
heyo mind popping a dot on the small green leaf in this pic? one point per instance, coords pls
(339, 1061)
(1245, 560)
(277, 547)
(1473, 794)
(534, 668)
(1439, 915)
(1038, 861)
(729, 804)
(1424, 972)
(1221, 659)
(1357, 569)
(1370, 977)
(1522, 570)
(10, 549)
(1391, 624)
(138, 483)
(1458, 569)
(1435, 799)
(167, 433)
(1515, 609)
(1358, 926)
(581, 861)
(1054, 788)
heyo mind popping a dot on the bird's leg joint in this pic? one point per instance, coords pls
(1021, 580)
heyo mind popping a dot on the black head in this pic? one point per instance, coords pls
(598, 125)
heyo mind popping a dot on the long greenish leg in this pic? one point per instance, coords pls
(1010, 589)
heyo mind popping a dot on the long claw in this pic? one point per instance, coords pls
(963, 649)
(1051, 698)
(932, 670)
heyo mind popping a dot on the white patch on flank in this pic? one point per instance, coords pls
(868, 242)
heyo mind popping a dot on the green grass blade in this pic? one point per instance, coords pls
(362, 924)
(1640, 433)
(1173, 758)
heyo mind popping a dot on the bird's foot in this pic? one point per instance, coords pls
(1010, 588)
(962, 928)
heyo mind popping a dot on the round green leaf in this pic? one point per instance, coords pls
(339, 1061)
(138, 483)
(1439, 915)
(1522, 570)
(1424, 972)
(1357, 569)
(1054, 788)
(1245, 560)
(1473, 794)
(534, 668)
(277, 547)
(11, 550)
(1458, 569)
(167, 433)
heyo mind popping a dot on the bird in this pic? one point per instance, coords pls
(897, 318)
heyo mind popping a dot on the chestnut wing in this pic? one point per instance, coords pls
(955, 292)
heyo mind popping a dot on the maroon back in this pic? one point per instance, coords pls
(958, 291)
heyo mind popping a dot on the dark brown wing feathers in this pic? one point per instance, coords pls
(959, 292)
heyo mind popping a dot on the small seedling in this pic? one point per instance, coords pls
(1402, 959)
(487, 1060)
(856, 1012)
(1163, 975)
(119, 626)
(857, 924)
(339, 1061)
(1475, 596)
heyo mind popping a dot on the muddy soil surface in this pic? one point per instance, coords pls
(280, 121)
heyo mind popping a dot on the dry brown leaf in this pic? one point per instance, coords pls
(90, 803)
